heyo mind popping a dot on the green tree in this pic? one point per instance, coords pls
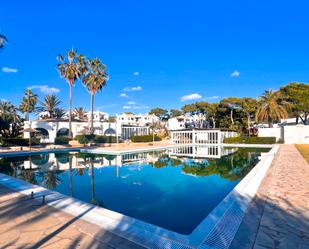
(10, 121)
(71, 67)
(112, 119)
(94, 79)
(249, 106)
(162, 114)
(51, 105)
(80, 113)
(297, 95)
(175, 113)
(28, 103)
(189, 109)
(271, 108)
(3, 41)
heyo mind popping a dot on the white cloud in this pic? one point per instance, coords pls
(9, 70)
(46, 89)
(235, 74)
(133, 88)
(136, 73)
(192, 96)
(124, 95)
(134, 105)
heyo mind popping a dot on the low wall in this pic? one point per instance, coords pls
(270, 132)
(296, 134)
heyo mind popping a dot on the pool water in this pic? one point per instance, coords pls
(173, 189)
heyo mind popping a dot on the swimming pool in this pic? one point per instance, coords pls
(174, 189)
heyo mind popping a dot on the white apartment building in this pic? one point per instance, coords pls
(136, 119)
(186, 122)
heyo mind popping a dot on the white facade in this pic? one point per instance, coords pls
(185, 121)
(51, 129)
(136, 119)
(290, 134)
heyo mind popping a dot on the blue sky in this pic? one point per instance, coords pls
(158, 53)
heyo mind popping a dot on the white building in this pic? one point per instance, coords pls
(186, 122)
(136, 119)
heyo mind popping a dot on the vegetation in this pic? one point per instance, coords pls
(28, 103)
(250, 140)
(98, 139)
(145, 138)
(3, 41)
(80, 113)
(162, 114)
(71, 67)
(270, 108)
(51, 105)
(94, 79)
(8, 142)
(10, 121)
(62, 140)
(304, 150)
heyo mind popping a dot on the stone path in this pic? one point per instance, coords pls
(25, 223)
(279, 216)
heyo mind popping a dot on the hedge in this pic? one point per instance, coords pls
(145, 138)
(8, 142)
(85, 139)
(250, 140)
(62, 140)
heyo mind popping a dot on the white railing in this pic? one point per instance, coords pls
(200, 136)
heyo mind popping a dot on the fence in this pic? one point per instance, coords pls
(200, 136)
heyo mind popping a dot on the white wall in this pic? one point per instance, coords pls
(296, 134)
(270, 132)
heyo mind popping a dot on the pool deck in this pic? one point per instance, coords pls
(279, 215)
(26, 223)
(277, 218)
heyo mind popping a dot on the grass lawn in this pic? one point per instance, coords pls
(304, 150)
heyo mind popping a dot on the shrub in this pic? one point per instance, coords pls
(105, 139)
(99, 139)
(84, 139)
(145, 138)
(8, 142)
(62, 140)
(250, 140)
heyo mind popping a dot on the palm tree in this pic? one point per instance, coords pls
(71, 68)
(9, 120)
(94, 80)
(3, 40)
(51, 105)
(28, 103)
(271, 108)
(80, 113)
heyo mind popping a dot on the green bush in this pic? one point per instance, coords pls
(99, 139)
(105, 139)
(8, 142)
(62, 140)
(145, 138)
(85, 139)
(250, 140)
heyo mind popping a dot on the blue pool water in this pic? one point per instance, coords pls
(169, 189)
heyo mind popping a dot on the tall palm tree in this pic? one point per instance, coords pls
(94, 80)
(271, 108)
(28, 103)
(80, 113)
(3, 40)
(51, 105)
(71, 67)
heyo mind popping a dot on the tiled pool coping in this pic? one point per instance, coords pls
(215, 231)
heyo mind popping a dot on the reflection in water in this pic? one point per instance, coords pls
(160, 187)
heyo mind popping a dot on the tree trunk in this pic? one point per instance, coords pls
(92, 182)
(70, 112)
(270, 123)
(91, 118)
(248, 120)
(232, 120)
(213, 123)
